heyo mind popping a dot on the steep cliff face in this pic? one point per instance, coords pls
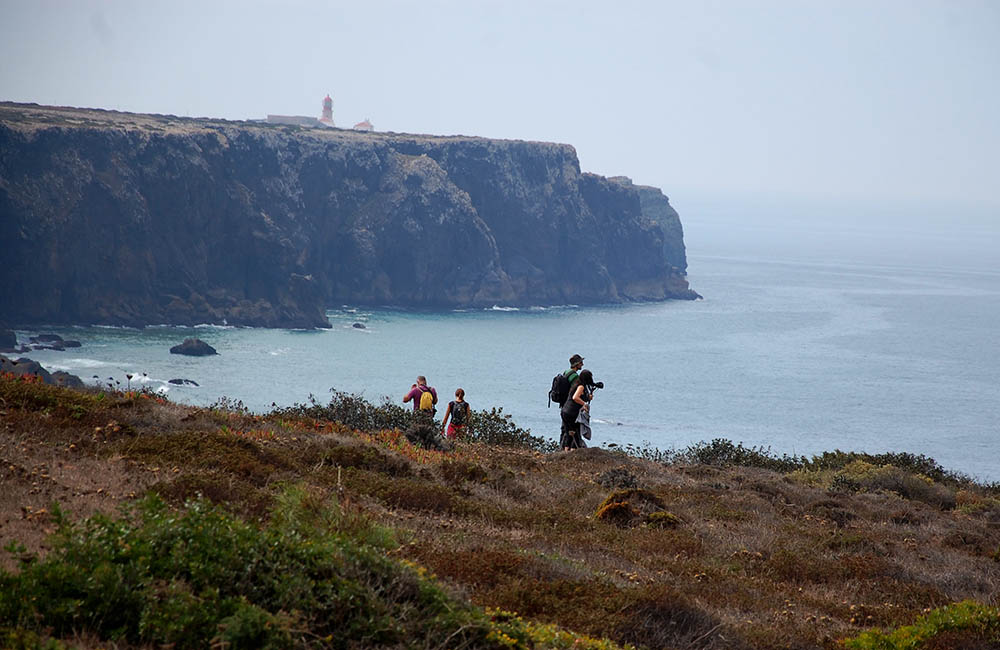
(656, 206)
(137, 219)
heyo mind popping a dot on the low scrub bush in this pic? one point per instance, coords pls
(458, 471)
(494, 427)
(199, 577)
(404, 493)
(721, 452)
(631, 507)
(207, 451)
(31, 394)
(665, 618)
(863, 476)
(325, 453)
(967, 624)
(352, 411)
(912, 463)
(618, 478)
(491, 427)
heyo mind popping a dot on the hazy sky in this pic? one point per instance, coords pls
(880, 100)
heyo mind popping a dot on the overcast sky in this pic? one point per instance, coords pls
(869, 100)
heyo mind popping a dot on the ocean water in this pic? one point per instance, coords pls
(860, 338)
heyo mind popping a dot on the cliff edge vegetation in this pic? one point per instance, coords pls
(127, 219)
(133, 522)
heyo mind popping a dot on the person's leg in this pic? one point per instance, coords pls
(566, 435)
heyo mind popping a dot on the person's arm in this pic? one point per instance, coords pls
(409, 394)
(434, 395)
(578, 397)
(444, 420)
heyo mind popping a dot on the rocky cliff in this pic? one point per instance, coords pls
(119, 218)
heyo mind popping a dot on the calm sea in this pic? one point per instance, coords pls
(810, 338)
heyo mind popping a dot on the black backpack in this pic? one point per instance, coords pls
(559, 392)
(458, 412)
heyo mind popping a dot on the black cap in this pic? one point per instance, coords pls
(575, 359)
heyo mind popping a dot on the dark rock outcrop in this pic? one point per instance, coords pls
(141, 219)
(52, 342)
(8, 340)
(63, 378)
(23, 367)
(182, 382)
(193, 348)
(46, 338)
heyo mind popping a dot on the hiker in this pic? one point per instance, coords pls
(459, 411)
(575, 366)
(580, 394)
(424, 397)
(559, 392)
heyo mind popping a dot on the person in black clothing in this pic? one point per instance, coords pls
(459, 411)
(581, 392)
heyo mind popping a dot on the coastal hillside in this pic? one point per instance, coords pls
(133, 522)
(128, 219)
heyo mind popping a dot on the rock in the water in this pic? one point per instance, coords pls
(61, 378)
(23, 367)
(46, 338)
(358, 326)
(8, 341)
(183, 382)
(193, 348)
(71, 344)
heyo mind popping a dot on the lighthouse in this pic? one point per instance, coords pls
(327, 118)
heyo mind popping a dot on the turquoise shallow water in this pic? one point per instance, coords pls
(794, 351)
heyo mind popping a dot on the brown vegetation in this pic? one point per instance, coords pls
(605, 544)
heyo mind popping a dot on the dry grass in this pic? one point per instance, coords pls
(682, 556)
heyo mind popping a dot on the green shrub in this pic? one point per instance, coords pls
(200, 576)
(494, 427)
(722, 452)
(353, 411)
(860, 475)
(27, 640)
(967, 624)
(912, 463)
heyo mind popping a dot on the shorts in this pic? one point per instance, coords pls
(455, 431)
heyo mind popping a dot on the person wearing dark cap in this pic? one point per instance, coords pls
(581, 392)
(575, 365)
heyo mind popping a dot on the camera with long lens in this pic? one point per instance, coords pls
(598, 384)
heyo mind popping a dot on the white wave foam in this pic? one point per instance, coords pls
(80, 362)
(499, 308)
(214, 326)
(279, 352)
